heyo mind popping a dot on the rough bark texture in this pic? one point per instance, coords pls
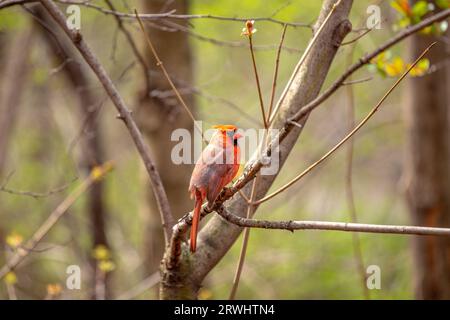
(91, 140)
(428, 161)
(218, 235)
(158, 117)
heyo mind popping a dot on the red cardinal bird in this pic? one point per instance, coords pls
(216, 167)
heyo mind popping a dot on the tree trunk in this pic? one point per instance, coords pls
(158, 117)
(216, 238)
(428, 161)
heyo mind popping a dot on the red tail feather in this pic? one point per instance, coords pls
(195, 220)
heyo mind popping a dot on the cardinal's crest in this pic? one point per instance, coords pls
(225, 127)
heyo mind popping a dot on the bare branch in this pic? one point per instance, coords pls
(350, 82)
(258, 84)
(242, 254)
(37, 195)
(275, 73)
(125, 115)
(334, 226)
(173, 27)
(357, 37)
(356, 241)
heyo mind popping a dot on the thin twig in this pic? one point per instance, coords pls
(233, 44)
(188, 89)
(356, 81)
(356, 241)
(301, 61)
(132, 44)
(124, 113)
(160, 64)
(53, 218)
(275, 74)
(348, 136)
(37, 195)
(258, 84)
(247, 199)
(172, 15)
(357, 37)
(328, 225)
(240, 265)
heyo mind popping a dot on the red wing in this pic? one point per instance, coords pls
(211, 172)
(216, 185)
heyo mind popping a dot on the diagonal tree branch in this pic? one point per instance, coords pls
(158, 16)
(327, 225)
(124, 114)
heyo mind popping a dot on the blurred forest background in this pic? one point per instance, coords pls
(57, 124)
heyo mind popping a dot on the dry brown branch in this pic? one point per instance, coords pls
(258, 84)
(173, 27)
(356, 81)
(275, 73)
(334, 226)
(356, 38)
(21, 253)
(187, 89)
(124, 113)
(242, 254)
(160, 64)
(37, 195)
(141, 287)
